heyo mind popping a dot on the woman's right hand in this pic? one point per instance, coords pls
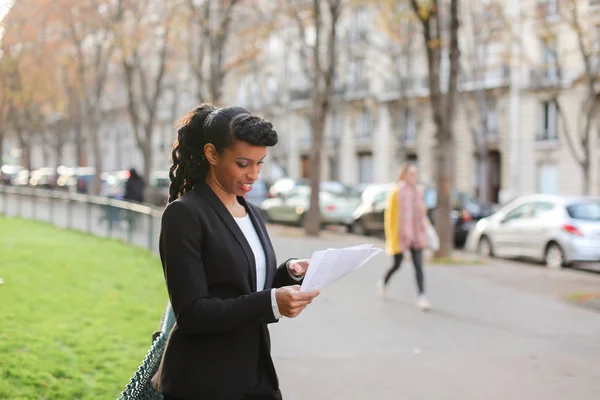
(291, 301)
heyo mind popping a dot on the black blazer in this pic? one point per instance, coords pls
(210, 272)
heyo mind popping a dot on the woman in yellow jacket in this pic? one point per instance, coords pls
(405, 229)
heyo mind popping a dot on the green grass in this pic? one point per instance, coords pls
(458, 261)
(580, 297)
(76, 312)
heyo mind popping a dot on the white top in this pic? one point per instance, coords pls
(245, 224)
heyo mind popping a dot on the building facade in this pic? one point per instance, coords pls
(381, 117)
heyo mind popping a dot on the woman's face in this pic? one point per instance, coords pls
(411, 175)
(236, 168)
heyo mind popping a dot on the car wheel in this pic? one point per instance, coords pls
(484, 248)
(358, 228)
(555, 257)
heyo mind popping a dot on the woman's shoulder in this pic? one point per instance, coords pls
(188, 203)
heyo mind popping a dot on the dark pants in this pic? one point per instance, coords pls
(265, 389)
(417, 257)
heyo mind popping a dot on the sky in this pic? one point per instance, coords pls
(4, 5)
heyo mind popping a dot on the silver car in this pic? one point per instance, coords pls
(291, 207)
(557, 230)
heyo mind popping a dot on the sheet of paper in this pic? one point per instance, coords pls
(328, 266)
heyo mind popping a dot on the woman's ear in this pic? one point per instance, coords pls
(210, 153)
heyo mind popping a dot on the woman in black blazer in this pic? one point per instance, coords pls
(219, 264)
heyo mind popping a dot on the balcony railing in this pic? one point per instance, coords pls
(492, 77)
(544, 78)
(357, 86)
(546, 136)
(299, 94)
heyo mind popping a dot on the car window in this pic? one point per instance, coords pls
(430, 197)
(588, 211)
(518, 213)
(541, 209)
(380, 198)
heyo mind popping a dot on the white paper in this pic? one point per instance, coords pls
(328, 266)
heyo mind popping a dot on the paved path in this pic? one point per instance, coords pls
(497, 331)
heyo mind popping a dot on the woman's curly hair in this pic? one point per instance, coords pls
(220, 127)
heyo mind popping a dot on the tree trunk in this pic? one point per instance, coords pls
(25, 152)
(585, 168)
(1, 148)
(483, 171)
(148, 158)
(59, 151)
(97, 186)
(313, 217)
(445, 168)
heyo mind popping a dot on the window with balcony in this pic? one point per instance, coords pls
(550, 57)
(492, 117)
(410, 126)
(547, 179)
(359, 24)
(365, 127)
(547, 8)
(548, 122)
(365, 167)
(357, 79)
(306, 134)
(336, 124)
(271, 88)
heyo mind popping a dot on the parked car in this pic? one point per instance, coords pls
(557, 230)
(466, 211)
(291, 208)
(8, 173)
(158, 192)
(284, 186)
(22, 178)
(76, 179)
(259, 192)
(43, 178)
(369, 216)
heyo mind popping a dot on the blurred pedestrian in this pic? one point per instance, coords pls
(405, 229)
(219, 265)
(134, 188)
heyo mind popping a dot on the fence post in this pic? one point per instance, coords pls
(34, 205)
(89, 214)
(51, 206)
(5, 193)
(130, 224)
(19, 205)
(70, 213)
(150, 231)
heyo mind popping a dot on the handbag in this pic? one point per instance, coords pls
(433, 240)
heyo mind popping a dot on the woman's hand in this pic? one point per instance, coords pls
(298, 267)
(291, 301)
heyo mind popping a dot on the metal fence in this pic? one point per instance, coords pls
(138, 224)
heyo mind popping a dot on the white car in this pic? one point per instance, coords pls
(557, 230)
(291, 207)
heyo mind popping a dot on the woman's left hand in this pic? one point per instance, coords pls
(298, 267)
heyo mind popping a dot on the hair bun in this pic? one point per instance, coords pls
(254, 130)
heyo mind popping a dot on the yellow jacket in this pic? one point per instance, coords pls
(391, 220)
(391, 224)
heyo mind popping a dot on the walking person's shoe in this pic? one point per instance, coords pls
(423, 303)
(382, 289)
